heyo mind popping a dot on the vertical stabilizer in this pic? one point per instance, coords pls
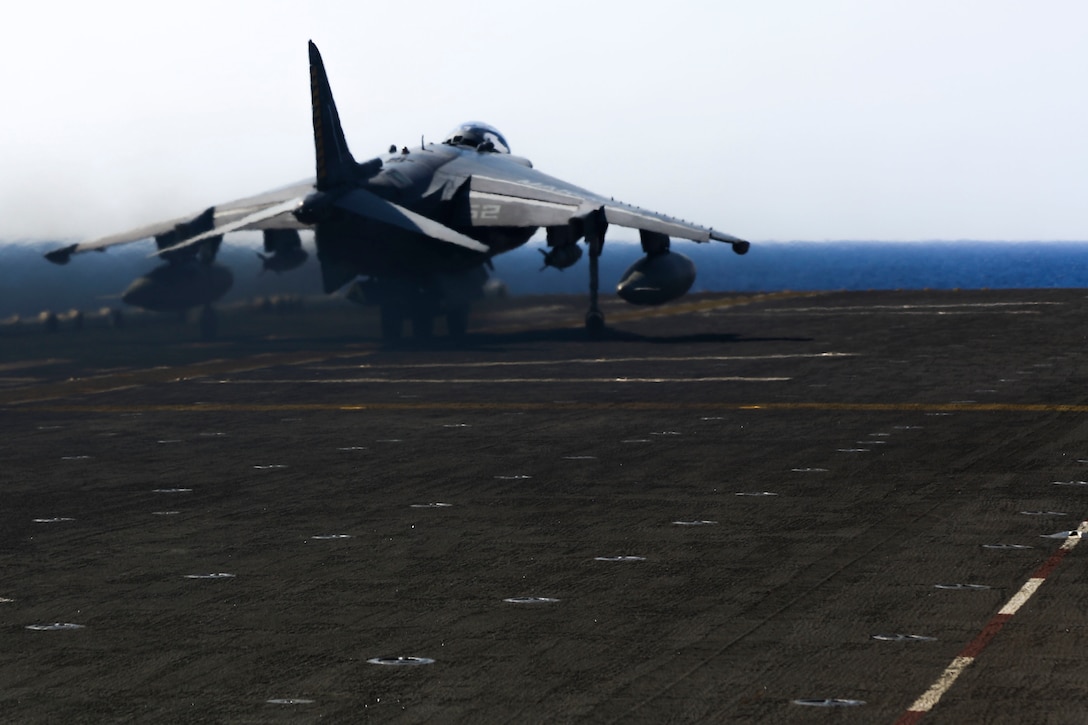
(335, 164)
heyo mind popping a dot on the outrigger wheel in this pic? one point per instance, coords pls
(595, 324)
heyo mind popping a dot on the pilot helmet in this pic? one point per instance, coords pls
(478, 136)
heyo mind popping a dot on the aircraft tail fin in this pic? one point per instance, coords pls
(335, 164)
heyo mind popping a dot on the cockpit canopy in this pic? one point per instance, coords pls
(479, 136)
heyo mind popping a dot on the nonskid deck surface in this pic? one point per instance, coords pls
(739, 509)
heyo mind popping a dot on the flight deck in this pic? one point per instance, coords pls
(792, 507)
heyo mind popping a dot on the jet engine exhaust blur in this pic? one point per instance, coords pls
(657, 278)
(176, 287)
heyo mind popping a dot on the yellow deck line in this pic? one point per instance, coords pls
(165, 374)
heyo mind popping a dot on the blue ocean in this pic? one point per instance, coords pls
(29, 284)
(812, 266)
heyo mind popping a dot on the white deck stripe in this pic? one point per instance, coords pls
(492, 381)
(937, 690)
(601, 361)
(1021, 596)
(933, 695)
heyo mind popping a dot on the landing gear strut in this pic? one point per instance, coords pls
(457, 320)
(209, 323)
(419, 303)
(420, 313)
(422, 323)
(595, 226)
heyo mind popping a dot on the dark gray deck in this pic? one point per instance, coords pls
(891, 434)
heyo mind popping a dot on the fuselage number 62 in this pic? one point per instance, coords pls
(485, 212)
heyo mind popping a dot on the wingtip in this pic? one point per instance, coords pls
(62, 255)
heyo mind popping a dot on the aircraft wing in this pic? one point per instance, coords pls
(268, 210)
(520, 196)
(357, 201)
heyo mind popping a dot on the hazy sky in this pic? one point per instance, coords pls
(837, 119)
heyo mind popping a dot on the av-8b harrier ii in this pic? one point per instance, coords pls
(419, 225)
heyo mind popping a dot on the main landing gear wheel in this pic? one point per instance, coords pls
(392, 323)
(422, 325)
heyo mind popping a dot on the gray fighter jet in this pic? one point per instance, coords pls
(419, 225)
